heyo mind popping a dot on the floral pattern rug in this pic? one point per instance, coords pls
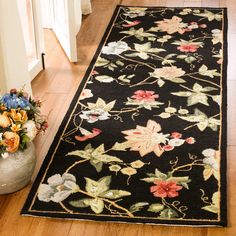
(144, 139)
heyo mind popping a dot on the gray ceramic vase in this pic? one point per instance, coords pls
(17, 169)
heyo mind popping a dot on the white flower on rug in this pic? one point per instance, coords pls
(94, 115)
(115, 48)
(86, 93)
(211, 161)
(217, 36)
(58, 188)
(143, 50)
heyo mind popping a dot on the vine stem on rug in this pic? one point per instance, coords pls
(196, 78)
(75, 164)
(65, 208)
(204, 37)
(189, 166)
(137, 62)
(143, 82)
(154, 55)
(165, 203)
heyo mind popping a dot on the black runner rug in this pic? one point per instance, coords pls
(144, 139)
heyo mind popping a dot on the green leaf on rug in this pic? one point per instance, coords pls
(82, 203)
(156, 207)
(114, 194)
(96, 164)
(80, 153)
(104, 78)
(138, 206)
(96, 187)
(121, 146)
(168, 213)
(97, 205)
(203, 70)
(101, 62)
(106, 158)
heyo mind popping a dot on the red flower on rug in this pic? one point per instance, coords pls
(176, 135)
(168, 147)
(165, 189)
(131, 23)
(190, 140)
(146, 96)
(87, 135)
(188, 48)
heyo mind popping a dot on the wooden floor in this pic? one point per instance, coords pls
(57, 85)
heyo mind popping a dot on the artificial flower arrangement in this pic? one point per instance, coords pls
(20, 121)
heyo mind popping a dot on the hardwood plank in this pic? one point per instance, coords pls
(223, 3)
(231, 113)
(193, 3)
(144, 2)
(174, 3)
(210, 3)
(231, 56)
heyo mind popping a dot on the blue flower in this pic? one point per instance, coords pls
(12, 101)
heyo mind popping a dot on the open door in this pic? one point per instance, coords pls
(30, 18)
(66, 24)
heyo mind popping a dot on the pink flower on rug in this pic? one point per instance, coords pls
(203, 26)
(86, 93)
(88, 135)
(145, 96)
(94, 72)
(188, 48)
(168, 72)
(165, 189)
(130, 23)
(176, 135)
(190, 140)
(168, 148)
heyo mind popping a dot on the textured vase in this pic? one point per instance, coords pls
(17, 169)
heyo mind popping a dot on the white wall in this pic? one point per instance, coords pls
(14, 68)
(2, 74)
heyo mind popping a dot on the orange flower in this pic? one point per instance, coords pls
(12, 141)
(20, 116)
(15, 128)
(4, 120)
(3, 108)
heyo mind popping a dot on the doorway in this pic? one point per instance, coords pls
(29, 11)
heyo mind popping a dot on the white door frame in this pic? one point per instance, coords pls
(37, 65)
(66, 33)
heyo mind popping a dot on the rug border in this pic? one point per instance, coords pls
(47, 159)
